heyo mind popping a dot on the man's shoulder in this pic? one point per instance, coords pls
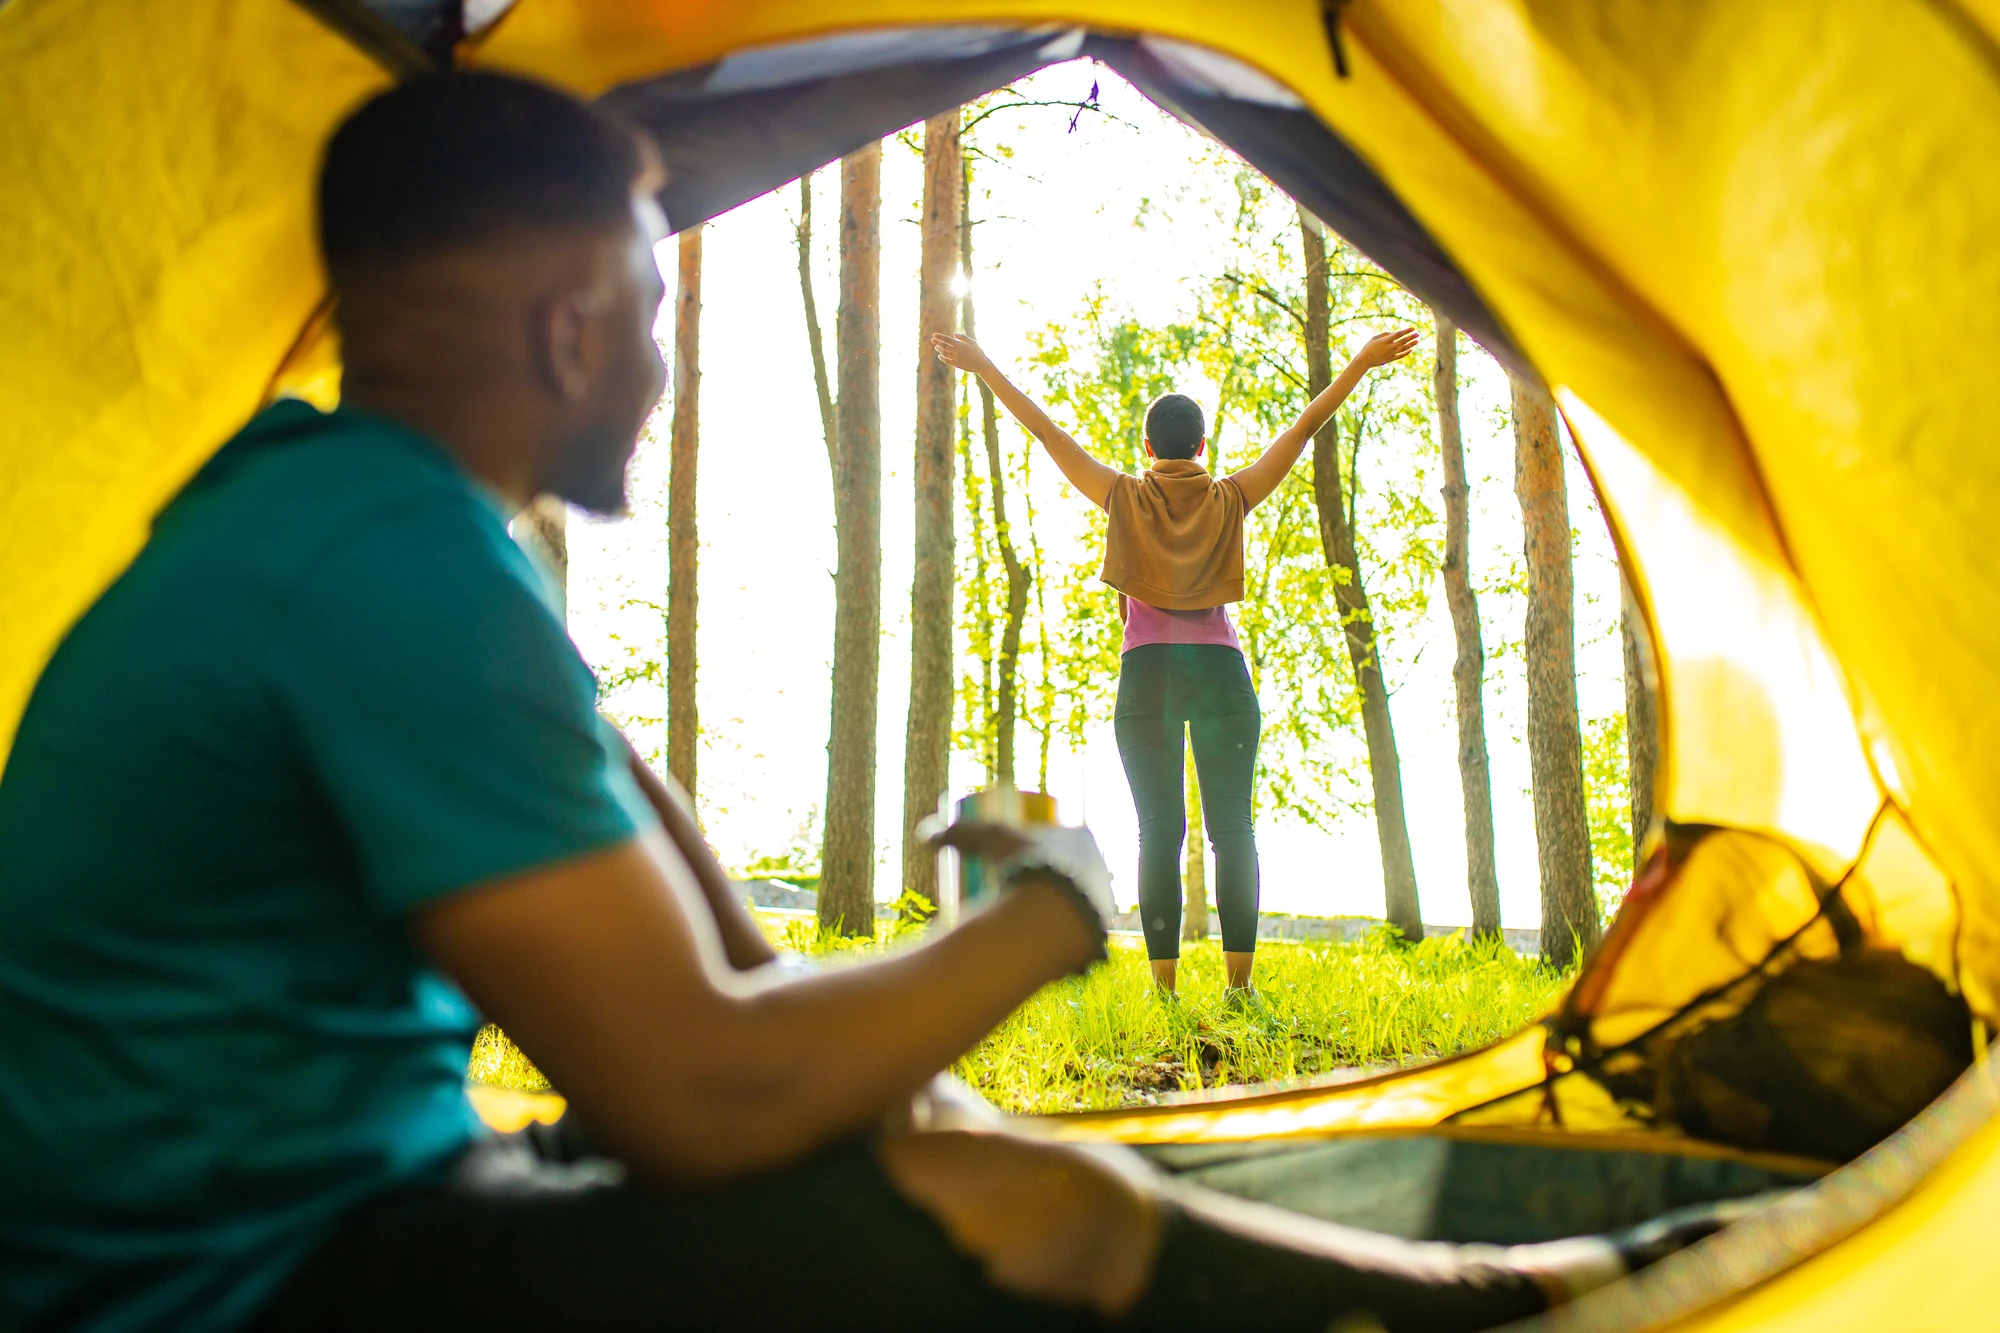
(294, 455)
(296, 483)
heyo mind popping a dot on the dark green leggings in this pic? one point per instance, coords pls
(1207, 687)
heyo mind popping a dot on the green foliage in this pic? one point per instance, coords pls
(1607, 786)
(637, 666)
(797, 862)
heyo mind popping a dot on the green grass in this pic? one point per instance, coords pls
(1108, 1040)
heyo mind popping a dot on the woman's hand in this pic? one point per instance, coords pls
(961, 353)
(1263, 476)
(1386, 347)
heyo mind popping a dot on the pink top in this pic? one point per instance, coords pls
(1145, 623)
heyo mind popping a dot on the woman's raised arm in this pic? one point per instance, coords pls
(1085, 473)
(1269, 471)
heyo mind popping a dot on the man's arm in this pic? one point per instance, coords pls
(744, 944)
(1258, 480)
(1085, 473)
(596, 968)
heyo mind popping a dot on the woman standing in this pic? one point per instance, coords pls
(1174, 552)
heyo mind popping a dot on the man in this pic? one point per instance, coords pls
(322, 766)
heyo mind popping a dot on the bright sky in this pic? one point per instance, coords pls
(1059, 218)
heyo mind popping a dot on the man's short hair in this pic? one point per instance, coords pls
(447, 160)
(1174, 426)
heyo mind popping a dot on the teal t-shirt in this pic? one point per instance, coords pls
(329, 691)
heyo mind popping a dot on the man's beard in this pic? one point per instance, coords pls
(590, 472)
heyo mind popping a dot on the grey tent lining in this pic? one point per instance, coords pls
(740, 127)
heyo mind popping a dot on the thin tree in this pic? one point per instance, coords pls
(828, 418)
(683, 544)
(927, 727)
(1334, 496)
(1008, 667)
(1555, 738)
(976, 688)
(1642, 721)
(1042, 717)
(853, 428)
(1468, 669)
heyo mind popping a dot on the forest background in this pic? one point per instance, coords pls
(1114, 250)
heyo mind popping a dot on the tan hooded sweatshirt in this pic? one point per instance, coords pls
(1176, 537)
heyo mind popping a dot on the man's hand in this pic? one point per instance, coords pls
(961, 353)
(1067, 856)
(1386, 347)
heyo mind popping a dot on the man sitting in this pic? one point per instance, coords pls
(320, 779)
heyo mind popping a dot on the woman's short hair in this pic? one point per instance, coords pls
(1174, 426)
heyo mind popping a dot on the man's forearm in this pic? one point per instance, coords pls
(593, 965)
(862, 1039)
(796, 1066)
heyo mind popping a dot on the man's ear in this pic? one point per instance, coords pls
(559, 325)
(1148, 446)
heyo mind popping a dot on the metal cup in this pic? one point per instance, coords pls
(965, 880)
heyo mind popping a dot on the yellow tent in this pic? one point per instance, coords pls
(1753, 248)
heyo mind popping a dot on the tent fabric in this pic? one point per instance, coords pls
(406, 37)
(734, 129)
(737, 128)
(1827, 1257)
(1749, 247)
(159, 164)
(1796, 204)
(1471, 1190)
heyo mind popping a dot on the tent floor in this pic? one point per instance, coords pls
(1448, 1187)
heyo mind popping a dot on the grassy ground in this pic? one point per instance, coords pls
(1108, 1040)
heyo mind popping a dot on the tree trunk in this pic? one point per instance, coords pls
(847, 852)
(683, 720)
(1642, 722)
(1194, 883)
(1007, 691)
(1468, 669)
(829, 426)
(1043, 716)
(546, 525)
(1336, 532)
(927, 725)
(1555, 739)
(979, 635)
